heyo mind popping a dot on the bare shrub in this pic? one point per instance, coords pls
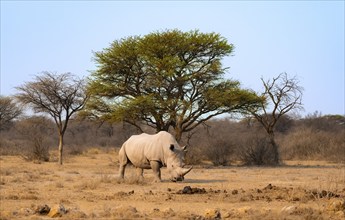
(311, 144)
(257, 151)
(8, 147)
(194, 155)
(35, 130)
(219, 152)
(213, 142)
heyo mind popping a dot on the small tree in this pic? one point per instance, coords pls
(8, 111)
(59, 95)
(282, 95)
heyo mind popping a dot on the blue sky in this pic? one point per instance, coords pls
(305, 39)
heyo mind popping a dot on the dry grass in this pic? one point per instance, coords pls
(88, 187)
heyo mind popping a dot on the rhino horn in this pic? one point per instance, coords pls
(185, 171)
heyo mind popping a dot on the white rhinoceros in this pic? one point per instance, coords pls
(146, 151)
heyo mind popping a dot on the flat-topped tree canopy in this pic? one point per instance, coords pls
(169, 79)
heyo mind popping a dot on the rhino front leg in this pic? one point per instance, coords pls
(156, 168)
(140, 172)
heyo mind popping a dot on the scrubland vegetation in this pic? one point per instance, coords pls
(220, 141)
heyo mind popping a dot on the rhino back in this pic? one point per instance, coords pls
(143, 148)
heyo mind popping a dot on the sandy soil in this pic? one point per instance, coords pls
(86, 187)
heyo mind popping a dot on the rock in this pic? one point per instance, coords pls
(212, 214)
(234, 192)
(57, 211)
(190, 190)
(323, 193)
(187, 190)
(42, 209)
(198, 190)
(156, 210)
(269, 186)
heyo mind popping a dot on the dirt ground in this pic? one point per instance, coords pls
(86, 187)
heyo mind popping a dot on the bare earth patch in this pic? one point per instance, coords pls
(86, 187)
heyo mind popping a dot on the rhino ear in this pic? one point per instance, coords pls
(184, 148)
(172, 147)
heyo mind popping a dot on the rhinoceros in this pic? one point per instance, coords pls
(147, 151)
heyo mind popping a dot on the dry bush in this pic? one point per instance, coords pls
(214, 142)
(194, 155)
(257, 150)
(219, 151)
(88, 133)
(36, 130)
(307, 143)
(10, 146)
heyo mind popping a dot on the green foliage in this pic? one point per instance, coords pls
(166, 79)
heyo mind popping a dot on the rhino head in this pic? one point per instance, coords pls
(175, 163)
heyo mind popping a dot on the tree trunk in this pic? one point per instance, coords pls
(178, 133)
(275, 151)
(60, 148)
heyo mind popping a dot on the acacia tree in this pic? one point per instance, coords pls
(59, 95)
(165, 80)
(9, 110)
(282, 95)
(169, 79)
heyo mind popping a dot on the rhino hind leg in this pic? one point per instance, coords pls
(122, 170)
(123, 160)
(156, 168)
